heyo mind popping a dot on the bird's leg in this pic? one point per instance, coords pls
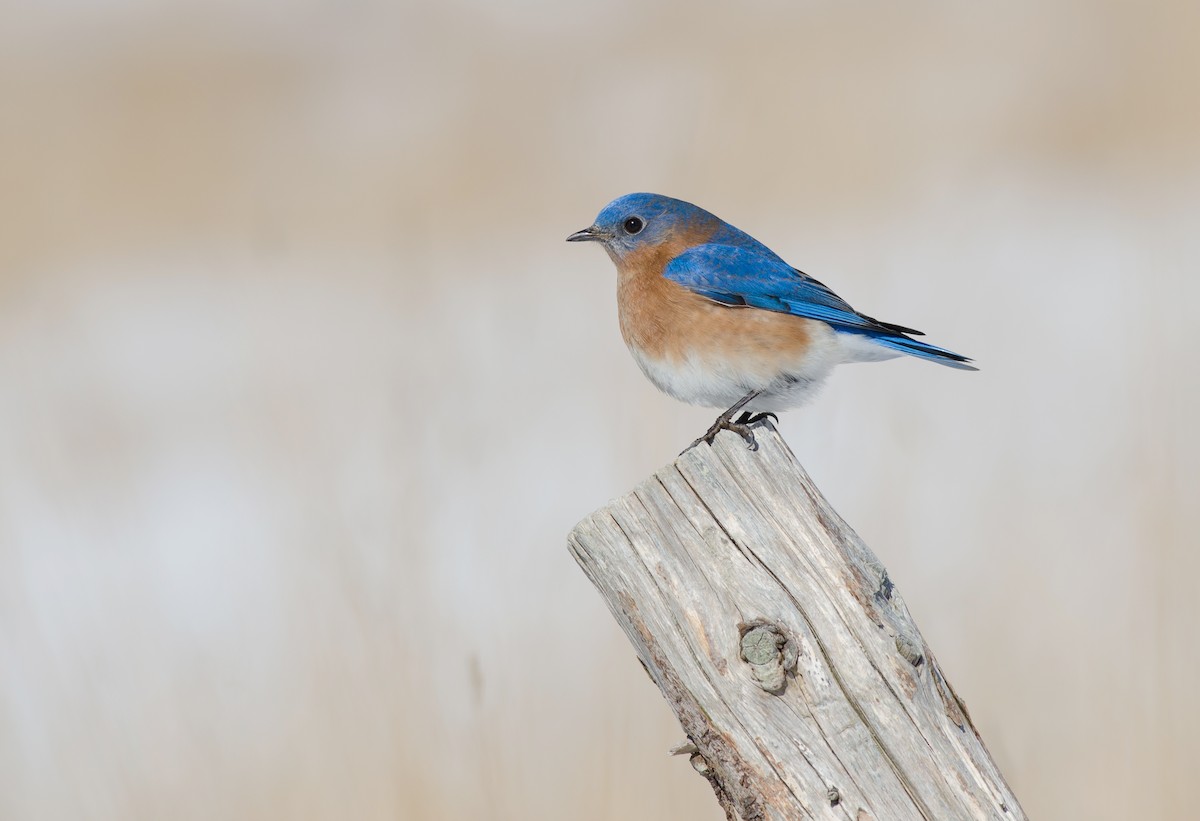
(725, 422)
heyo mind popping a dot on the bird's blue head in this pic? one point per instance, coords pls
(637, 221)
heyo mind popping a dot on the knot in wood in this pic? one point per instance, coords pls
(771, 656)
(910, 648)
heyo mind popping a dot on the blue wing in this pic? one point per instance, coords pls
(744, 277)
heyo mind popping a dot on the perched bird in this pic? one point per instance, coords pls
(715, 318)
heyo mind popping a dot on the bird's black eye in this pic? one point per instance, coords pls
(633, 225)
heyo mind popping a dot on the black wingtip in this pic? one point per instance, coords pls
(893, 327)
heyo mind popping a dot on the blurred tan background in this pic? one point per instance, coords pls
(301, 389)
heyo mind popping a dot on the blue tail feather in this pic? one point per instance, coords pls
(923, 350)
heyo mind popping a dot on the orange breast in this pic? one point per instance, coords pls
(669, 323)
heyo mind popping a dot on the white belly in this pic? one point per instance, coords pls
(786, 381)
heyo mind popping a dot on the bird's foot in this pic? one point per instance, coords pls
(748, 418)
(741, 427)
(724, 422)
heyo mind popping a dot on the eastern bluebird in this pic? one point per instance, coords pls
(715, 318)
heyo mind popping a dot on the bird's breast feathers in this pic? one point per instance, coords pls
(705, 353)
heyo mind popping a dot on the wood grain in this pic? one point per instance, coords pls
(787, 654)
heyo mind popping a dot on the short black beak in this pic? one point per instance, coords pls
(590, 234)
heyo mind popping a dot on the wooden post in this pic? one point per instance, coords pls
(788, 655)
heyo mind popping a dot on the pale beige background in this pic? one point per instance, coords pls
(300, 389)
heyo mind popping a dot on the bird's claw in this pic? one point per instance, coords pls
(742, 430)
(742, 427)
(748, 418)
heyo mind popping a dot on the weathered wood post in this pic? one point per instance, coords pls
(789, 657)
